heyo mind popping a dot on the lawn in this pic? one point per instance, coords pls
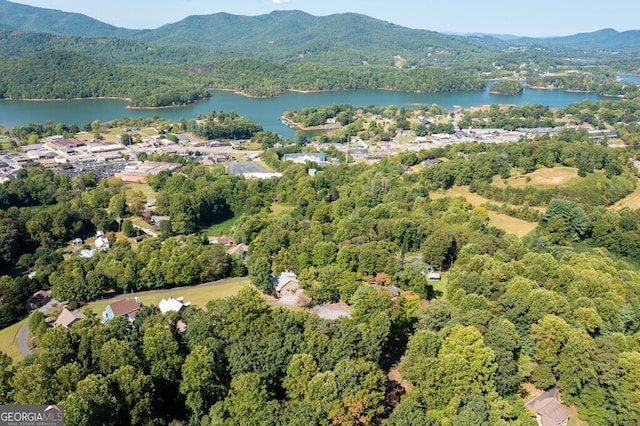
(197, 295)
(510, 224)
(440, 287)
(223, 228)
(632, 200)
(148, 192)
(277, 208)
(8, 340)
(553, 176)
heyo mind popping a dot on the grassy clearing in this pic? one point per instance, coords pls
(223, 228)
(440, 287)
(546, 177)
(631, 201)
(461, 191)
(197, 295)
(510, 224)
(276, 209)
(144, 188)
(9, 340)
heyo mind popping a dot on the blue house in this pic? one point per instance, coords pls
(127, 308)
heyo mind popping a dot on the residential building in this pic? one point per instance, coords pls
(285, 283)
(240, 249)
(225, 240)
(172, 304)
(433, 276)
(38, 299)
(548, 409)
(303, 157)
(67, 318)
(127, 308)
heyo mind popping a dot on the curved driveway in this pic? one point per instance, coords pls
(22, 340)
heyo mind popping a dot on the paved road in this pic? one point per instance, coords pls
(22, 340)
(22, 334)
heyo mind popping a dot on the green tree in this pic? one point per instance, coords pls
(164, 360)
(249, 402)
(260, 273)
(118, 205)
(302, 368)
(575, 367)
(6, 374)
(92, 403)
(128, 229)
(134, 394)
(200, 382)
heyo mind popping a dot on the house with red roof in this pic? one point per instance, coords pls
(127, 308)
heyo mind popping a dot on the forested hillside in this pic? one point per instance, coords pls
(177, 63)
(560, 307)
(28, 18)
(293, 35)
(117, 51)
(67, 75)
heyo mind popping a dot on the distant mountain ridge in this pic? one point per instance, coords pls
(296, 34)
(604, 39)
(348, 38)
(36, 19)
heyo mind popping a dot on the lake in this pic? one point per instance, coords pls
(268, 111)
(629, 78)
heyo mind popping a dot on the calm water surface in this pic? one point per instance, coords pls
(629, 78)
(268, 111)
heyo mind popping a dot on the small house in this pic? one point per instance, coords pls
(87, 254)
(172, 304)
(433, 276)
(225, 240)
(285, 283)
(240, 249)
(548, 409)
(67, 318)
(101, 243)
(127, 308)
(38, 299)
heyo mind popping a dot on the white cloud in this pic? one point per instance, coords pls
(280, 1)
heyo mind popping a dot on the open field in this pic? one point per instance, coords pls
(8, 340)
(510, 224)
(542, 177)
(632, 200)
(198, 295)
(461, 191)
(144, 188)
(224, 227)
(277, 208)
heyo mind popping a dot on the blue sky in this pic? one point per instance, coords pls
(537, 18)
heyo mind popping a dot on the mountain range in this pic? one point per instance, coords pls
(289, 35)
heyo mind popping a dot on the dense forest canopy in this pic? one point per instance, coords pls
(560, 307)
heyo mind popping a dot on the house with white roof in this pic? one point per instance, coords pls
(285, 283)
(172, 304)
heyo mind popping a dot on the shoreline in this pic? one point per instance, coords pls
(113, 98)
